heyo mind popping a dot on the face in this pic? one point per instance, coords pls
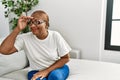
(37, 25)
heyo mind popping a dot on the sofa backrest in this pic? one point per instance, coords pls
(15, 61)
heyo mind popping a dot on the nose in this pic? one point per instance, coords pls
(33, 28)
(32, 25)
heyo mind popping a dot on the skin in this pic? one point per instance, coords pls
(41, 32)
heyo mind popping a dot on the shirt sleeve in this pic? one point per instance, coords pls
(62, 46)
(19, 43)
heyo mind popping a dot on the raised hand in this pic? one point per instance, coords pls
(22, 22)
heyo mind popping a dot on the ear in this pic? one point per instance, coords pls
(46, 26)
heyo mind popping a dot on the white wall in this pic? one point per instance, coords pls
(4, 26)
(82, 24)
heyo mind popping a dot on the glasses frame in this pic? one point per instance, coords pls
(35, 22)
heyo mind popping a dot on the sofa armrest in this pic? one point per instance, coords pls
(75, 54)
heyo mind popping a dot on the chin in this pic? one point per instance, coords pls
(35, 33)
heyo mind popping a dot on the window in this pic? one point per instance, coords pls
(112, 34)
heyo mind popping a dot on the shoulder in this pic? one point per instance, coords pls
(25, 35)
(54, 33)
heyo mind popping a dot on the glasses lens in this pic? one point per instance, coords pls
(39, 22)
(35, 22)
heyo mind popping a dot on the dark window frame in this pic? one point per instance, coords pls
(109, 27)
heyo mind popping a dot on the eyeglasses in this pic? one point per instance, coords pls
(35, 22)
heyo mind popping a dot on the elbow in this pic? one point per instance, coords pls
(65, 58)
(68, 58)
(3, 51)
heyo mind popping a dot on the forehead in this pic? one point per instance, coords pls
(39, 16)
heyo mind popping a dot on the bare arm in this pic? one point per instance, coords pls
(7, 46)
(59, 63)
(56, 65)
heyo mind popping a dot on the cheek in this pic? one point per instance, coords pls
(44, 25)
(34, 29)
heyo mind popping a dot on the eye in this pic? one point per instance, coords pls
(38, 22)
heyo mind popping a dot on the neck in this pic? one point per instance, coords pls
(43, 35)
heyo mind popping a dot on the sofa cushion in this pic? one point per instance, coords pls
(15, 61)
(73, 64)
(5, 78)
(18, 75)
(9, 63)
(22, 75)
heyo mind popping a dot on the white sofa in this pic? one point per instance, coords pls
(15, 67)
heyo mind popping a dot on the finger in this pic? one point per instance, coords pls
(35, 77)
(41, 78)
(29, 17)
(22, 16)
(24, 19)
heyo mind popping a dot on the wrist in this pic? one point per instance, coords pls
(17, 29)
(48, 70)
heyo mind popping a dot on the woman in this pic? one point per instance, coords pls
(46, 50)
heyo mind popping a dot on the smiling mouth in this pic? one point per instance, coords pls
(33, 29)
